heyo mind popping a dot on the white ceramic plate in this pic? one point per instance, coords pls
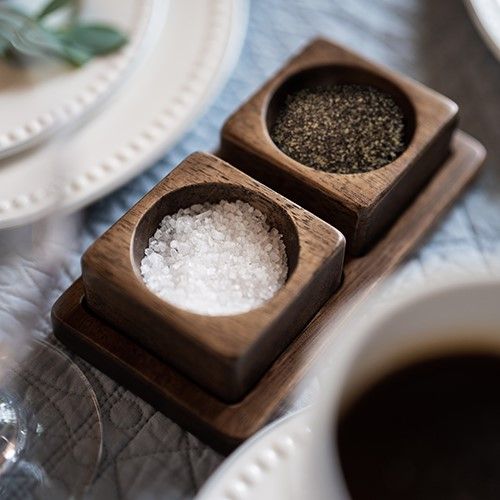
(197, 45)
(486, 16)
(270, 466)
(39, 98)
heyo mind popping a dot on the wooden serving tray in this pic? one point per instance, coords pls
(224, 426)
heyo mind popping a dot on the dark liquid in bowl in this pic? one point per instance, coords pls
(428, 431)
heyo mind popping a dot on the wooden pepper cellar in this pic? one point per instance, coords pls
(362, 206)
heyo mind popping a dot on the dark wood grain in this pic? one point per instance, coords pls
(222, 425)
(224, 354)
(362, 206)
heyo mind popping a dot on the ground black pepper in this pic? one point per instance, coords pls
(342, 129)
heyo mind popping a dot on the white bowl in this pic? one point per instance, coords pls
(444, 318)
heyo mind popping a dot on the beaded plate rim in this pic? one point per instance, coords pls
(256, 462)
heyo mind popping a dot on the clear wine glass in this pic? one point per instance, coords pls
(50, 425)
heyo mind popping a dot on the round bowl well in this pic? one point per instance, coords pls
(337, 74)
(213, 193)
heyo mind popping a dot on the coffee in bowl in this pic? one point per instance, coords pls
(428, 430)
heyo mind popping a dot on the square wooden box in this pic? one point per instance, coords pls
(364, 205)
(224, 354)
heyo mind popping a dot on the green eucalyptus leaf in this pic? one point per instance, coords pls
(34, 40)
(96, 38)
(11, 20)
(76, 55)
(52, 6)
(4, 45)
(30, 38)
(21, 34)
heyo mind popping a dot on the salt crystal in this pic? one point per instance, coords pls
(215, 259)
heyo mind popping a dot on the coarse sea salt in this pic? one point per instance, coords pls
(215, 259)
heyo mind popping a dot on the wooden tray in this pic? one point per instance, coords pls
(224, 426)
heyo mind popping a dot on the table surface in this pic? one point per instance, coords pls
(146, 454)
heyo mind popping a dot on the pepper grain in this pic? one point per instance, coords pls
(342, 129)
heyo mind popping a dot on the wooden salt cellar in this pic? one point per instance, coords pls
(224, 354)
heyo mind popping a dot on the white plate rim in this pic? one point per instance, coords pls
(257, 459)
(38, 128)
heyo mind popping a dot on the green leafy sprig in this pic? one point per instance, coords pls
(75, 42)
